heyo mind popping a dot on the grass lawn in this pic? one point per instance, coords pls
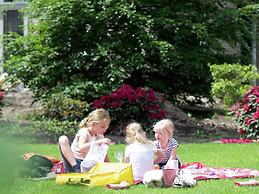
(211, 154)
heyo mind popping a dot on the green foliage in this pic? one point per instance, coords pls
(91, 47)
(51, 129)
(251, 10)
(64, 109)
(39, 129)
(230, 81)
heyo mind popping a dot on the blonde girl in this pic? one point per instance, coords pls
(164, 141)
(91, 129)
(140, 152)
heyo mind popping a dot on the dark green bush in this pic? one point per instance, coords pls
(88, 48)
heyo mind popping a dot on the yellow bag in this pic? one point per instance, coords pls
(101, 174)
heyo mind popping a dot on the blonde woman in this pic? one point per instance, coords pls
(140, 152)
(91, 129)
(164, 141)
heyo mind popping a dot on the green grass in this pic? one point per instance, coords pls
(211, 154)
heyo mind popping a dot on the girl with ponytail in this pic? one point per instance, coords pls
(91, 129)
(140, 151)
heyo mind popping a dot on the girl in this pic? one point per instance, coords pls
(140, 151)
(91, 129)
(163, 133)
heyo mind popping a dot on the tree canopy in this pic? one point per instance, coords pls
(87, 48)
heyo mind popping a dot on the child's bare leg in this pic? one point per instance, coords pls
(66, 150)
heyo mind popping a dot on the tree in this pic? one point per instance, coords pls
(87, 48)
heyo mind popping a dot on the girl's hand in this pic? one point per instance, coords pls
(104, 141)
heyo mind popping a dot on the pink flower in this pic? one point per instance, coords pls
(237, 113)
(235, 107)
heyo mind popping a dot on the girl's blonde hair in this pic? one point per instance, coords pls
(164, 125)
(135, 133)
(97, 116)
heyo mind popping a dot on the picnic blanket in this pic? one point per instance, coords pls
(203, 172)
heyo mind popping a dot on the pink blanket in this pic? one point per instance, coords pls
(202, 172)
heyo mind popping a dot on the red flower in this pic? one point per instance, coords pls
(152, 96)
(246, 107)
(131, 97)
(97, 104)
(256, 115)
(247, 116)
(127, 103)
(116, 104)
(241, 131)
(247, 120)
(1, 95)
(106, 99)
(140, 93)
(246, 99)
(255, 90)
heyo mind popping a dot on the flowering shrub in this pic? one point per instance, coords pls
(236, 141)
(2, 79)
(127, 104)
(246, 113)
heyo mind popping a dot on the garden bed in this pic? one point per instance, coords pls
(207, 126)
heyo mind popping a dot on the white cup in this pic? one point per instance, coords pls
(172, 164)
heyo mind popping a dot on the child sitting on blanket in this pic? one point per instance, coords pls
(164, 141)
(91, 129)
(140, 152)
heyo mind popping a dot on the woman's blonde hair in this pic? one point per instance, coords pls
(135, 133)
(96, 116)
(164, 125)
